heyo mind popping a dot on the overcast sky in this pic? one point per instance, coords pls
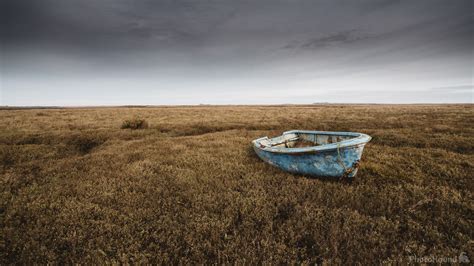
(117, 52)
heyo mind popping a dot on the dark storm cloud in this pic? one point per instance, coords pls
(108, 25)
(345, 37)
(187, 46)
(88, 25)
(89, 22)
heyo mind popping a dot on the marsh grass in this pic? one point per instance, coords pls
(135, 123)
(84, 143)
(77, 188)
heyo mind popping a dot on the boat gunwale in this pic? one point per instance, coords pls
(358, 140)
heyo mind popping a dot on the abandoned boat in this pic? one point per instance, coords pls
(314, 153)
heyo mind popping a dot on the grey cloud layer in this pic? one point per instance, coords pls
(296, 47)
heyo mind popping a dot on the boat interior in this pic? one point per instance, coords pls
(300, 140)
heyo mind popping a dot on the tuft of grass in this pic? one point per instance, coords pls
(6, 157)
(135, 123)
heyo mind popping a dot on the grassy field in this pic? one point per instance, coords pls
(76, 187)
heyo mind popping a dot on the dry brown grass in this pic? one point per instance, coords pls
(135, 123)
(77, 188)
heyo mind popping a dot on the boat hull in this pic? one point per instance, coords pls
(335, 160)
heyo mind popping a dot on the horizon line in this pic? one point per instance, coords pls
(6, 107)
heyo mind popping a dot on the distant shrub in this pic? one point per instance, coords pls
(135, 123)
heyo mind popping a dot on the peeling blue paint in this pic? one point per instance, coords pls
(334, 154)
